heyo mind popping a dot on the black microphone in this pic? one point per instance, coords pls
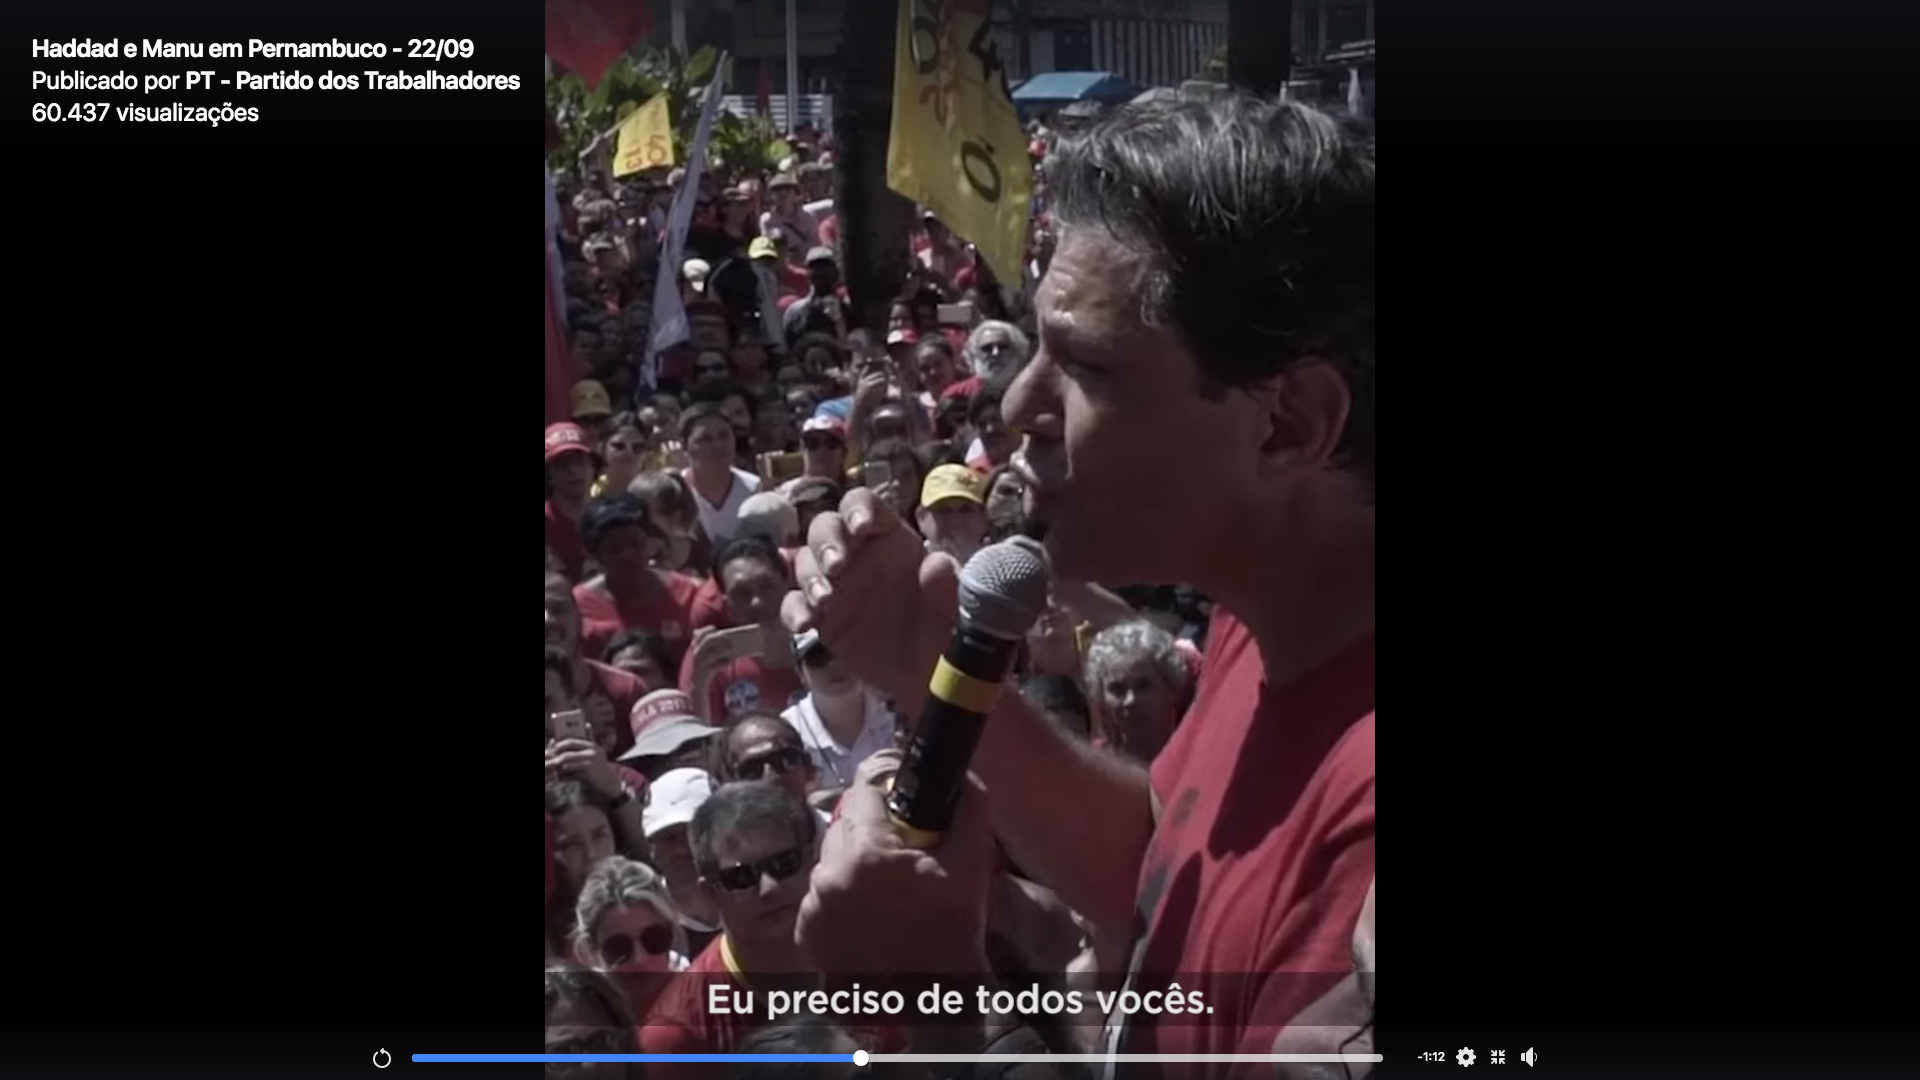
(1003, 590)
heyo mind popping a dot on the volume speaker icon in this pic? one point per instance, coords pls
(1529, 1056)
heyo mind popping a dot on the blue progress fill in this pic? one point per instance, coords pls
(586, 1058)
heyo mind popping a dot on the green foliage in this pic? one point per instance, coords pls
(741, 147)
(749, 147)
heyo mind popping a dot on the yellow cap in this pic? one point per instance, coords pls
(953, 482)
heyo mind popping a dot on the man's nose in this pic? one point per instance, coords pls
(1031, 404)
(768, 884)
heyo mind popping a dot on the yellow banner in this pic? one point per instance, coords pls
(645, 139)
(956, 144)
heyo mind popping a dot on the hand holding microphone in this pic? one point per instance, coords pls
(1003, 590)
(893, 612)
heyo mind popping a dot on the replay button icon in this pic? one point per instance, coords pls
(382, 1059)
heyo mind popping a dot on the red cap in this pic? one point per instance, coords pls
(827, 424)
(565, 438)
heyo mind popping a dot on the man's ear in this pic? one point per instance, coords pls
(1308, 405)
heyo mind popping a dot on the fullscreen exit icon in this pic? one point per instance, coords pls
(1499, 1057)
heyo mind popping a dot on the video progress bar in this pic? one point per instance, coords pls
(864, 1058)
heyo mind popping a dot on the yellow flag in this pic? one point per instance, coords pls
(956, 144)
(646, 139)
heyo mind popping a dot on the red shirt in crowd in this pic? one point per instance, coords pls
(609, 698)
(665, 609)
(563, 536)
(679, 1022)
(793, 277)
(744, 686)
(966, 387)
(1264, 850)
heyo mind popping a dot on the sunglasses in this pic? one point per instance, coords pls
(821, 443)
(781, 761)
(622, 948)
(747, 875)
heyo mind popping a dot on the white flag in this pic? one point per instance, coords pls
(669, 317)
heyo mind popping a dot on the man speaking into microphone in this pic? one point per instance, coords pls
(1207, 335)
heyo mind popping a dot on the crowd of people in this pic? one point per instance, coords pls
(747, 543)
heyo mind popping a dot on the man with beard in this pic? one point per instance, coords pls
(1211, 299)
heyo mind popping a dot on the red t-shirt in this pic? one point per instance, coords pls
(793, 277)
(966, 387)
(609, 698)
(679, 1022)
(666, 610)
(1263, 853)
(743, 686)
(563, 536)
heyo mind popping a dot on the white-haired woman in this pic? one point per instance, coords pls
(625, 926)
(1137, 682)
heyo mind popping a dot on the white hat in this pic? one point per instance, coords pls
(672, 799)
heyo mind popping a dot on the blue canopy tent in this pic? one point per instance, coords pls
(1056, 88)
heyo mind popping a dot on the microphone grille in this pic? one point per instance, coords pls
(1004, 587)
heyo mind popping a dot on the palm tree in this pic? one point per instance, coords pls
(875, 222)
(1261, 54)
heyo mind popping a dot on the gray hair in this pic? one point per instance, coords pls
(1124, 642)
(987, 369)
(740, 807)
(616, 883)
(1255, 220)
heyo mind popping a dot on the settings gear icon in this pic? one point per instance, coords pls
(1464, 1057)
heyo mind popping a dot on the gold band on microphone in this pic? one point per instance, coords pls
(957, 688)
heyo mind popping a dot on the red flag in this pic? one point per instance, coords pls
(587, 36)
